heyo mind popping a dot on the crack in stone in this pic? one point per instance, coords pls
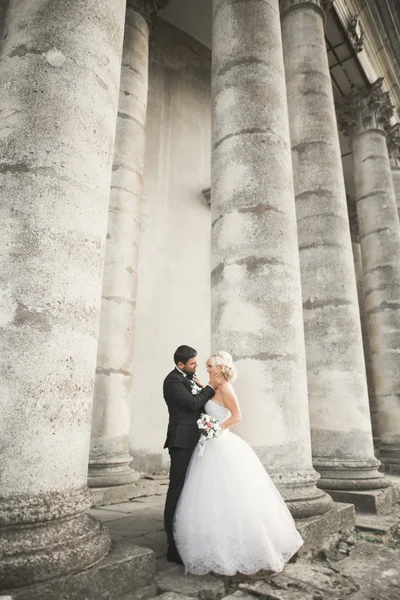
(371, 195)
(336, 302)
(259, 209)
(321, 245)
(374, 231)
(119, 300)
(303, 146)
(317, 192)
(251, 262)
(116, 167)
(248, 131)
(110, 371)
(370, 291)
(390, 267)
(102, 82)
(132, 26)
(372, 156)
(22, 50)
(248, 60)
(216, 220)
(24, 168)
(126, 66)
(129, 118)
(384, 306)
(318, 93)
(323, 214)
(263, 356)
(123, 189)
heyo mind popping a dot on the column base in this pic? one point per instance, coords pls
(389, 455)
(111, 473)
(48, 535)
(342, 474)
(301, 494)
(126, 571)
(371, 501)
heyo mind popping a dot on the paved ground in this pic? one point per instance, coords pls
(141, 521)
(364, 566)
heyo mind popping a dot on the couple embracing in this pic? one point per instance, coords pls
(223, 513)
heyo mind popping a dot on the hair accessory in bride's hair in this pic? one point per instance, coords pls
(224, 360)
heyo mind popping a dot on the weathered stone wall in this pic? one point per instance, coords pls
(396, 183)
(173, 301)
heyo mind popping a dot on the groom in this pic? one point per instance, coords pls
(184, 409)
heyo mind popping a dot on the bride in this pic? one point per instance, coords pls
(230, 517)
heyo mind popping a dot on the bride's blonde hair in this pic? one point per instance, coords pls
(224, 360)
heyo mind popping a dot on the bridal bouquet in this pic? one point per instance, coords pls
(209, 428)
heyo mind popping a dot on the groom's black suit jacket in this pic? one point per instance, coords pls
(184, 409)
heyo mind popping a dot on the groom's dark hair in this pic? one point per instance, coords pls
(183, 354)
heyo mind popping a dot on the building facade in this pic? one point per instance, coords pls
(221, 174)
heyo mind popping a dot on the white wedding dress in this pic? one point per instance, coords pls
(230, 516)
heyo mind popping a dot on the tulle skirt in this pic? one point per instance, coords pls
(230, 516)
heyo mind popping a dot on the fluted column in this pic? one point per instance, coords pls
(256, 298)
(109, 452)
(365, 116)
(394, 154)
(341, 435)
(59, 80)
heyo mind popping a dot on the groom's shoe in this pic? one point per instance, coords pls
(173, 556)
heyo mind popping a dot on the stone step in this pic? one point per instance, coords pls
(127, 569)
(116, 494)
(379, 527)
(170, 596)
(302, 580)
(268, 591)
(371, 501)
(206, 587)
(145, 593)
(322, 530)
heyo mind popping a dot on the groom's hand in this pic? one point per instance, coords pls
(198, 382)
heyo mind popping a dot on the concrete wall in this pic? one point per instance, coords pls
(173, 302)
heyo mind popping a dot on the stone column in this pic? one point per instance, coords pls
(59, 80)
(355, 240)
(341, 435)
(394, 154)
(256, 298)
(365, 116)
(109, 452)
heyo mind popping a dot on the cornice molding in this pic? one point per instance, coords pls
(356, 33)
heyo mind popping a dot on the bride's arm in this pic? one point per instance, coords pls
(231, 402)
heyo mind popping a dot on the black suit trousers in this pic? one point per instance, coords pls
(180, 458)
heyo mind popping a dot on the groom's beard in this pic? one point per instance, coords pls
(189, 375)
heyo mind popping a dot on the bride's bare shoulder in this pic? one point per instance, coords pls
(227, 390)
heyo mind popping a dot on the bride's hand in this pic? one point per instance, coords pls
(216, 380)
(197, 381)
